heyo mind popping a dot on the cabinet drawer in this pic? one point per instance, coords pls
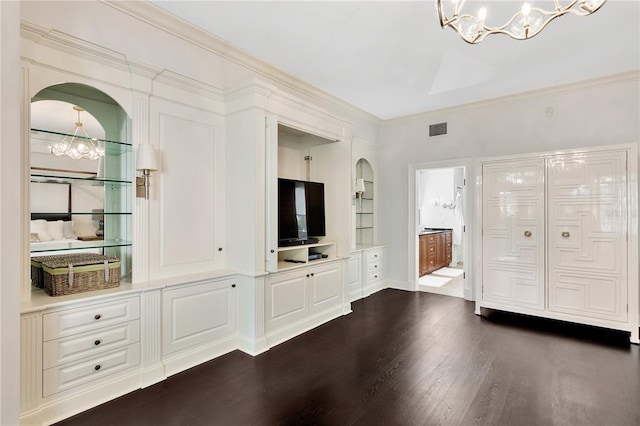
(87, 318)
(374, 254)
(70, 375)
(73, 348)
(374, 265)
(374, 276)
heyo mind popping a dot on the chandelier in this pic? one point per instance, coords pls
(79, 145)
(526, 23)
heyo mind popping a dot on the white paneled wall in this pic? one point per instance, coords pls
(186, 217)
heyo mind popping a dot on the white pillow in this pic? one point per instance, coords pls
(40, 227)
(67, 230)
(55, 230)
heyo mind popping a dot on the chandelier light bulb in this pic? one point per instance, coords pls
(526, 9)
(482, 14)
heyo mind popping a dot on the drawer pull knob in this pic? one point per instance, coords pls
(312, 274)
(307, 275)
(273, 251)
(375, 266)
(97, 367)
(97, 317)
(233, 286)
(97, 342)
(565, 234)
(527, 233)
(219, 248)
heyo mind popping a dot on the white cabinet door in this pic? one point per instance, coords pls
(513, 233)
(286, 298)
(197, 314)
(354, 277)
(587, 228)
(325, 286)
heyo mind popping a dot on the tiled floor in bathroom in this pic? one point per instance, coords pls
(441, 282)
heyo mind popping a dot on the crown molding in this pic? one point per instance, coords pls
(189, 85)
(66, 43)
(610, 80)
(165, 21)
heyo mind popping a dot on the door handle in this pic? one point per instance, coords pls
(527, 233)
(565, 234)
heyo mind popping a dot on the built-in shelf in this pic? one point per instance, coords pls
(94, 181)
(76, 245)
(300, 254)
(95, 195)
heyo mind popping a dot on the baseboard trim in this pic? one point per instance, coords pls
(188, 358)
(84, 399)
(290, 331)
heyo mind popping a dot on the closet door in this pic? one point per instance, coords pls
(587, 195)
(513, 233)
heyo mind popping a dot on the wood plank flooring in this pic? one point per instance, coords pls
(404, 358)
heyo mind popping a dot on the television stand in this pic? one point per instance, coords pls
(304, 254)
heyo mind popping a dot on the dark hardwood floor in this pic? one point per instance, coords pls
(405, 358)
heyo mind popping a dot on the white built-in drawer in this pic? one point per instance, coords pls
(374, 276)
(86, 318)
(95, 342)
(67, 376)
(375, 254)
(374, 265)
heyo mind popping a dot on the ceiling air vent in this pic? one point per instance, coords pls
(437, 129)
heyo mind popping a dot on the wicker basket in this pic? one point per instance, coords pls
(70, 274)
(37, 278)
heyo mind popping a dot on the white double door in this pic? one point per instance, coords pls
(555, 235)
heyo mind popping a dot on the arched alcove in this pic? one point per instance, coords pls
(81, 175)
(364, 203)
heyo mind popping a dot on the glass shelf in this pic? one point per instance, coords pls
(76, 245)
(94, 181)
(45, 137)
(83, 213)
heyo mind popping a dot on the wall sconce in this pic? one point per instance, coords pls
(146, 163)
(360, 190)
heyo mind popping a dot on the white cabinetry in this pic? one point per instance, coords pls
(354, 276)
(85, 344)
(556, 240)
(198, 323)
(513, 233)
(373, 270)
(320, 156)
(300, 299)
(365, 272)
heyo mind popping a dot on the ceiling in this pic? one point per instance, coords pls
(392, 59)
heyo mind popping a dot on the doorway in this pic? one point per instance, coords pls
(439, 229)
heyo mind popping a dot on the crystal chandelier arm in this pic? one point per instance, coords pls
(523, 25)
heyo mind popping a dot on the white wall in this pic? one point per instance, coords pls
(590, 114)
(436, 187)
(10, 212)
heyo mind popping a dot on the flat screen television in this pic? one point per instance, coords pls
(300, 212)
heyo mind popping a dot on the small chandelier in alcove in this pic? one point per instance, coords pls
(526, 23)
(79, 145)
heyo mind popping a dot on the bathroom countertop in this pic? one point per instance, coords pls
(428, 231)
